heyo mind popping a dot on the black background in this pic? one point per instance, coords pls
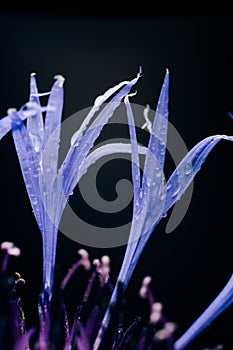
(95, 50)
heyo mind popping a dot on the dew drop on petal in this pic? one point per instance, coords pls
(175, 193)
(188, 169)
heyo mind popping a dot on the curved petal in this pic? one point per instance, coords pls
(6, 123)
(5, 126)
(136, 177)
(220, 303)
(98, 102)
(188, 168)
(29, 164)
(73, 159)
(158, 138)
(35, 124)
(103, 151)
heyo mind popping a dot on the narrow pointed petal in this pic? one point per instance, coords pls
(5, 126)
(29, 164)
(152, 197)
(188, 168)
(220, 303)
(73, 160)
(54, 114)
(49, 166)
(136, 177)
(97, 103)
(158, 137)
(105, 150)
(49, 240)
(152, 194)
(52, 131)
(35, 124)
(153, 178)
(176, 186)
(6, 123)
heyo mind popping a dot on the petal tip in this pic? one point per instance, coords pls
(10, 111)
(59, 80)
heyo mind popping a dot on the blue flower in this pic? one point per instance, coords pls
(37, 147)
(153, 195)
(37, 137)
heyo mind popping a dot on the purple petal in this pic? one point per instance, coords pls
(105, 150)
(152, 194)
(136, 177)
(29, 164)
(5, 126)
(35, 124)
(79, 151)
(220, 303)
(97, 104)
(158, 137)
(188, 168)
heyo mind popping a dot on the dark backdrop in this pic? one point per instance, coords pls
(95, 50)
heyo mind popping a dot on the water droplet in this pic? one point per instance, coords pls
(163, 195)
(175, 193)
(188, 169)
(153, 147)
(164, 129)
(28, 148)
(34, 201)
(162, 151)
(158, 171)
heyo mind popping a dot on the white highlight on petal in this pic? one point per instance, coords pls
(10, 111)
(59, 80)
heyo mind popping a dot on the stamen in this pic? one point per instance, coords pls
(156, 313)
(83, 261)
(7, 245)
(15, 251)
(146, 292)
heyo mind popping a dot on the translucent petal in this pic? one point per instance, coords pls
(188, 168)
(154, 159)
(51, 149)
(30, 168)
(98, 102)
(220, 303)
(5, 126)
(158, 137)
(74, 159)
(105, 150)
(151, 199)
(136, 177)
(35, 124)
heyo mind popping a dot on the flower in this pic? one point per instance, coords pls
(37, 146)
(36, 138)
(153, 196)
